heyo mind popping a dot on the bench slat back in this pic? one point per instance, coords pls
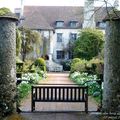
(59, 93)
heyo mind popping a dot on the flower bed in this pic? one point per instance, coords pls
(88, 80)
(28, 80)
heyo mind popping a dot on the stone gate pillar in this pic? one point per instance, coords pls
(111, 93)
(7, 64)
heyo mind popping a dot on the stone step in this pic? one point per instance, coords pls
(54, 67)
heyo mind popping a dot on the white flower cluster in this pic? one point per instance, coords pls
(82, 78)
(30, 76)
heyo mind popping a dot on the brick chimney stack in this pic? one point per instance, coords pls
(89, 20)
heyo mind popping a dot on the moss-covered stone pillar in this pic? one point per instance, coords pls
(111, 93)
(7, 65)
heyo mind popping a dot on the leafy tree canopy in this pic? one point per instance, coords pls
(89, 43)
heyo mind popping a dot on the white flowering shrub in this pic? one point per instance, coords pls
(31, 78)
(28, 79)
(87, 80)
(82, 78)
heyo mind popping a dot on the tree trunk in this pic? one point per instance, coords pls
(111, 93)
(7, 65)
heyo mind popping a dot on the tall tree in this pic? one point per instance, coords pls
(89, 43)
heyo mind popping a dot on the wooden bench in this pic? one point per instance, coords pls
(59, 93)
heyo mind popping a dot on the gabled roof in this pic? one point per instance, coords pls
(44, 17)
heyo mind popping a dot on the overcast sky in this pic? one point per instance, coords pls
(17, 3)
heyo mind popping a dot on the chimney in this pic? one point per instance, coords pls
(89, 15)
(116, 4)
(22, 8)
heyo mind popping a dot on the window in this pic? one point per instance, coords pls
(73, 24)
(17, 14)
(59, 23)
(60, 54)
(70, 54)
(59, 37)
(101, 25)
(73, 36)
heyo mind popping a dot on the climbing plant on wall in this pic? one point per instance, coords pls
(29, 39)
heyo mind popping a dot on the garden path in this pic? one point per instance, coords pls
(57, 78)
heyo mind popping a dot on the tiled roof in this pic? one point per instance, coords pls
(44, 17)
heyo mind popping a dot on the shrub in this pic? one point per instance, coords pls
(74, 61)
(24, 89)
(18, 60)
(87, 80)
(78, 65)
(89, 43)
(82, 78)
(66, 65)
(40, 62)
(28, 66)
(96, 66)
(19, 67)
(32, 78)
(4, 11)
(15, 116)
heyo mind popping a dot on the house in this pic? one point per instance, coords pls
(59, 25)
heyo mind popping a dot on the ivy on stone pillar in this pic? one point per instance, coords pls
(7, 64)
(111, 93)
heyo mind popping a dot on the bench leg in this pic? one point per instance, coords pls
(32, 106)
(86, 106)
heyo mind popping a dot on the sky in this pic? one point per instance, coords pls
(12, 4)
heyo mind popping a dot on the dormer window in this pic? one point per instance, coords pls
(17, 12)
(101, 25)
(59, 23)
(73, 24)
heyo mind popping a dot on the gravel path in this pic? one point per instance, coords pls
(57, 78)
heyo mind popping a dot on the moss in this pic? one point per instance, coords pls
(15, 117)
(4, 11)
